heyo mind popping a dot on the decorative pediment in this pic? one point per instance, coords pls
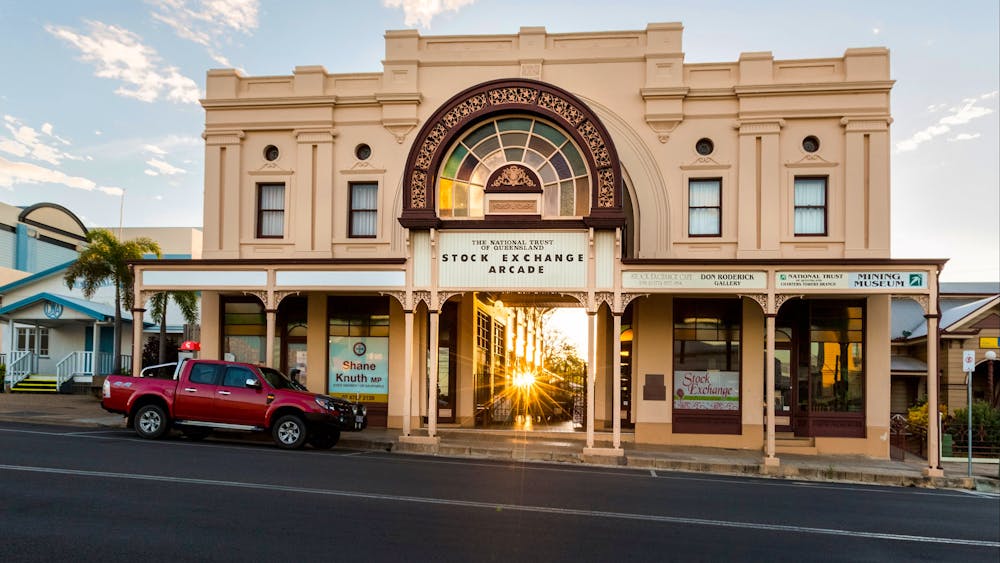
(811, 160)
(705, 163)
(271, 169)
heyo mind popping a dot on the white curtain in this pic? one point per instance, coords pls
(810, 206)
(704, 205)
(364, 210)
(272, 210)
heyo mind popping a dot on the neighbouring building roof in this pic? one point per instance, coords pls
(98, 311)
(35, 277)
(970, 288)
(905, 364)
(908, 320)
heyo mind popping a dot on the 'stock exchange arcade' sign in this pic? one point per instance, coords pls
(519, 259)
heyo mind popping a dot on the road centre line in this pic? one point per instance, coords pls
(509, 507)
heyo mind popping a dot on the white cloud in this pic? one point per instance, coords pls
(963, 137)
(875, 31)
(163, 167)
(208, 23)
(154, 149)
(120, 55)
(423, 11)
(959, 115)
(26, 141)
(27, 173)
(149, 172)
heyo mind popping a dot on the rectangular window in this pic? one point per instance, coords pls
(270, 210)
(244, 330)
(810, 206)
(26, 340)
(836, 356)
(705, 207)
(364, 210)
(706, 378)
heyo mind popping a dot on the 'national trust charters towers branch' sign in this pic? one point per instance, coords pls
(521, 259)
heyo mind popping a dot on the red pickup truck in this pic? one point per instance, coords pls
(206, 395)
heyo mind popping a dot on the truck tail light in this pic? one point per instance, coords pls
(106, 389)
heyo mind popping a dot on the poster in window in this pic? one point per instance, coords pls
(359, 368)
(707, 390)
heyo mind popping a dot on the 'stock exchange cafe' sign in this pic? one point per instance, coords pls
(851, 280)
(359, 368)
(536, 259)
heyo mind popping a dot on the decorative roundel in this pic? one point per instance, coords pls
(360, 348)
(704, 146)
(810, 144)
(362, 151)
(271, 153)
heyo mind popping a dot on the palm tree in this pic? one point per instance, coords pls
(187, 302)
(106, 260)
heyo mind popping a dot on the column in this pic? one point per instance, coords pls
(271, 316)
(407, 370)
(591, 373)
(769, 460)
(94, 371)
(616, 373)
(933, 468)
(136, 341)
(432, 376)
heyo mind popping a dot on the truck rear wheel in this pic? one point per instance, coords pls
(289, 432)
(151, 422)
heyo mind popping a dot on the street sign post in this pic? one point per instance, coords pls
(969, 366)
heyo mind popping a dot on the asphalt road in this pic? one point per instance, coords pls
(79, 494)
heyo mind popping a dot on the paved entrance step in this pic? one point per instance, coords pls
(36, 384)
(788, 443)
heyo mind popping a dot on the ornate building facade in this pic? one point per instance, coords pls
(725, 227)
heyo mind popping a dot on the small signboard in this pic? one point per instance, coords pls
(968, 360)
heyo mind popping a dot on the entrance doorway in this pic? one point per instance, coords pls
(528, 370)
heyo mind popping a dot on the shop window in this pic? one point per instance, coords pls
(810, 206)
(359, 349)
(705, 207)
(244, 330)
(26, 340)
(270, 210)
(706, 378)
(836, 356)
(364, 210)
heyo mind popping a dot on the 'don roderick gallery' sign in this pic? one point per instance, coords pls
(513, 259)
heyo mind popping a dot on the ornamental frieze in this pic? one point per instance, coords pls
(606, 189)
(463, 110)
(513, 176)
(562, 108)
(418, 189)
(596, 143)
(513, 96)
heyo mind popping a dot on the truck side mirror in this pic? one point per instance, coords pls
(252, 383)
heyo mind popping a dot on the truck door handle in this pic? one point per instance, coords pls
(190, 389)
(225, 393)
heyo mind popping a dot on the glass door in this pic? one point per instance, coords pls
(783, 388)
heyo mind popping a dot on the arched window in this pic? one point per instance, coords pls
(528, 141)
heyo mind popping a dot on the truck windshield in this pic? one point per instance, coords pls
(278, 380)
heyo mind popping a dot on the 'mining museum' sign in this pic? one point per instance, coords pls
(521, 259)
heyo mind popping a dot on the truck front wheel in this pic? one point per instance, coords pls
(151, 422)
(289, 432)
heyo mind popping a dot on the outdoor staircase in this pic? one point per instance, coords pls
(36, 384)
(789, 443)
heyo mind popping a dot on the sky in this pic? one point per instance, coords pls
(99, 99)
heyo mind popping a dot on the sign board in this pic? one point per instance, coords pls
(694, 280)
(359, 368)
(522, 259)
(968, 360)
(851, 280)
(707, 390)
(987, 342)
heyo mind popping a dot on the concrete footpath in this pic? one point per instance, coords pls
(567, 447)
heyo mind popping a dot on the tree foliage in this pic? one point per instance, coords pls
(187, 302)
(106, 260)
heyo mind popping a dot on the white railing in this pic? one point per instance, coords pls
(20, 366)
(74, 364)
(105, 362)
